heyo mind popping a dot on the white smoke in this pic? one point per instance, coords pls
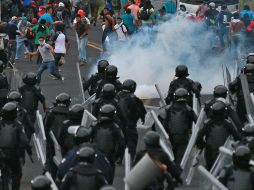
(150, 57)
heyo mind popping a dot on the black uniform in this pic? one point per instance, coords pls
(239, 175)
(178, 124)
(13, 143)
(84, 174)
(31, 95)
(92, 82)
(108, 138)
(4, 89)
(216, 134)
(236, 87)
(152, 144)
(131, 109)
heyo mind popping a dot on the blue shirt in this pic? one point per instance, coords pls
(128, 21)
(250, 13)
(220, 18)
(48, 18)
(27, 2)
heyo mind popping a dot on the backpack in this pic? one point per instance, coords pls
(246, 19)
(144, 14)
(125, 33)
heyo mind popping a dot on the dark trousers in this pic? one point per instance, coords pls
(57, 59)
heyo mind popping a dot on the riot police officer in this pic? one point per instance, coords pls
(181, 73)
(31, 95)
(111, 78)
(240, 175)
(13, 142)
(4, 86)
(54, 121)
(108, 96)
(216, 130)
(75, 117)
(107, 134)
(82, 138)
(236, 87)
(41, 183)
(178, 123)
(84, 174)
(152, 147)
(92, 82)
(220, 92)
(250, 58)
(23, 116)
(131, 109)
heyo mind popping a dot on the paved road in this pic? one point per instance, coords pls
(52, 87)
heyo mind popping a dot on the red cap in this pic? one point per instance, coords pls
(81, 12)
(34, 20)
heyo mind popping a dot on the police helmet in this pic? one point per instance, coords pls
(249, 69)
(107, 111)
(220, 91)
(9, 111)
(152, 139)
(14, 96)
(82, 135)
(111, 72)
(76, 112)
(129, 85)
(212, 5)
(181, 71)
(108, 91)
(242, 156)
(86, 154)
(102, 64)
(219, 110)
(64, 99)
(1, 66)
(30, 78)
(41, 183)
(250, 58)
(181, 95)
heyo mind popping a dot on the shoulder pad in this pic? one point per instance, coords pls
(66, 122)
(207, 121)
(188, 108)
(228, 121)
(133, 95)
(37, 87)
(208, 103)
(97, 101)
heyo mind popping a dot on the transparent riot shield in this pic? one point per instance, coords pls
(191, 156)
(88, 103)
(127, 165)
(247, 99)
(162, 102)
(228, 75)
(87, 119)
(58, 152)
(39, 138)
(209, 181)
(222, 160)
(80, 82)
(164, 138)
(53, 184)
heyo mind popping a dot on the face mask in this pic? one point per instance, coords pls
(42, 43)
(24, 23)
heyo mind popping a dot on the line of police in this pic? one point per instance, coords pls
(90, 153)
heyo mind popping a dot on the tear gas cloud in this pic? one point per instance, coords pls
(150, 57)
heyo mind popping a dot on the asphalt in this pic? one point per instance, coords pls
(70, 85)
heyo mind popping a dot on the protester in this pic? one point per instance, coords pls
(121, 30)
(146, 14)
(128, 21)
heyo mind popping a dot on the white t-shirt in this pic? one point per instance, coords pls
(84, 18)
(121, 31)
(60, 43)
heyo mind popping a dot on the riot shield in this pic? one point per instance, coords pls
(88, 103)
(58, 152)
(212, 181)
(191, 156)
(127, 164)
(87, 119)
(164, 138)
(80, 82)
(228, 76)
(39, 138)
(162, 102)
(222, 159)
(53, 184)
(142, 173)
(247, 99)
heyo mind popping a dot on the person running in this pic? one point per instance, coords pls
(48, 60)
